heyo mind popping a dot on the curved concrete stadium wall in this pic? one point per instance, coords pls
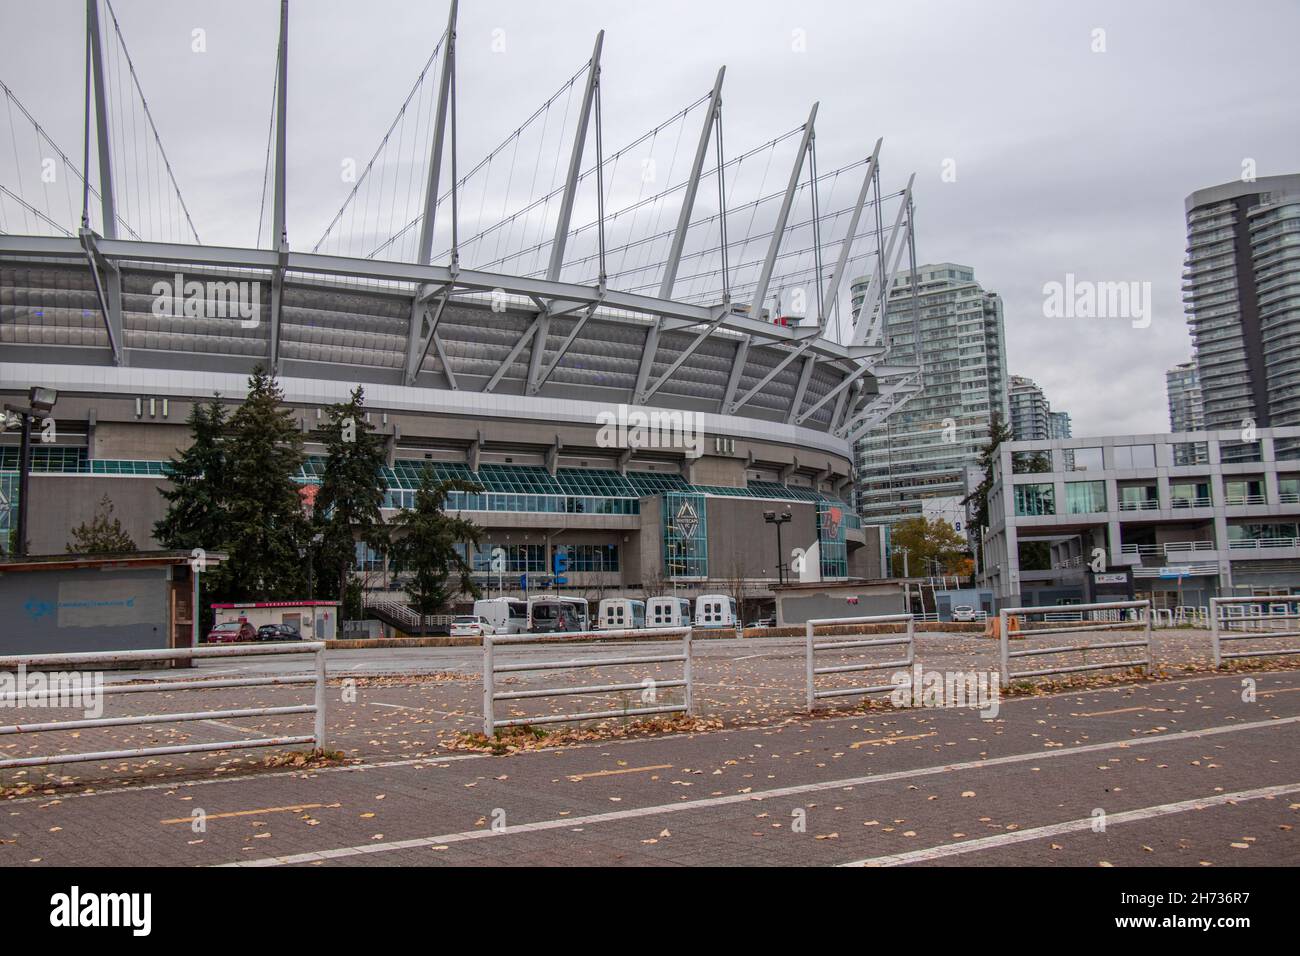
(49, 313)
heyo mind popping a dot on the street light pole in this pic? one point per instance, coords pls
(40, 401)
(24, 468)
(771, 517)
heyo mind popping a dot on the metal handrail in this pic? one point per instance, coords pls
(491, 668)
(1220, 608)
(812, 646)
(81, 659)
(1111, 618)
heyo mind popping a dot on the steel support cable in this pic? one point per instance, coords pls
(787, 255)
(401, 113)
(715, 250)
(18, 166)
(506, 235)
(555, 167)
(636, 206)
(271, 129)
(28, 207)
(672, 167)
(582, 177)
(85, 146)
(707, 296)
(626, 209)
(542, 111)
(144, 102)
(36, 143)
(708, 219)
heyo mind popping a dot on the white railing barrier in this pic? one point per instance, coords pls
(1113, 615)
(1232, 614)
(491, 669)
(812, 647)
(91, 659)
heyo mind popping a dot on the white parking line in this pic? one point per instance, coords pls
(1074, 826)
(709, 802)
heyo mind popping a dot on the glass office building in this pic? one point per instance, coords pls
(922, 451)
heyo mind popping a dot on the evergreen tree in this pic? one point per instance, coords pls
(197, 498)
(351, 496)
(103, 535)
(424, 543)
(265, 525)
(999, 432)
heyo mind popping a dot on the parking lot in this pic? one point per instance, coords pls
(1181, 772)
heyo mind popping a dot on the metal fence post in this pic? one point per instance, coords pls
(489, 688)
(1214, 632)
(690, 691)
(320, 699)
(1004, 651)
(911, 641)
(1146, 669)
(808, 631)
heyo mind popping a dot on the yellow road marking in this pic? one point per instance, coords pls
(579, 777)
(889, 740)
(251, 813)
(1121, 710)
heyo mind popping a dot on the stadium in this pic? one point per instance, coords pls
(636, 374)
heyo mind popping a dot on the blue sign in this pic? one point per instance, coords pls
(560, 564)
(523, 582)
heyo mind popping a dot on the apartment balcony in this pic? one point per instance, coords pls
(1265, 547)
(1239, 500)
(1182, 503)
(1170, 549)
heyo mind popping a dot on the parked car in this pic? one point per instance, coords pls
(964, 613)
(471, 625)
(278, 632)
(232, 632)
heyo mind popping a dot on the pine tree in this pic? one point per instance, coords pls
(103, 535)
(351, 496)
(424, 543)
(199, 492)
(265, 525)
(999, 432)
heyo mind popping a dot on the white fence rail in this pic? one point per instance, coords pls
(1110, 615)
(491, 669)
(49, 662)
(812, 647)
(1253, 619)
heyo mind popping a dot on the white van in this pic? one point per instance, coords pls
(616, 614)
(667, 612)
(715, 610)
(506, 615)
(549, 612)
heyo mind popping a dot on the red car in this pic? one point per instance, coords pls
(232, 632)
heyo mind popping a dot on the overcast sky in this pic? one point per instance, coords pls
(1067, 159)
